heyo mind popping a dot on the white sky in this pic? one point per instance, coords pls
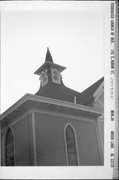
(75, 40)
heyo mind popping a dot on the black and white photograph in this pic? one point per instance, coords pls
(53, 98)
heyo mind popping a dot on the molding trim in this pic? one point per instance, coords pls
(100, 102)
(21, 117)
(79, 118)
(102, 147)
(99, 144)
(34, 139)
(99, 91)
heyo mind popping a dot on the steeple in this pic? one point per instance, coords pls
(48, 56)
(49, 72)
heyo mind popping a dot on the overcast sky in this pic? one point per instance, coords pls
(75, 40)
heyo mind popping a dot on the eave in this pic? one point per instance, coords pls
(58, 67)
(30, 101)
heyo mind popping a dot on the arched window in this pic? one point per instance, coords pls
(71, 146)
(9, 148)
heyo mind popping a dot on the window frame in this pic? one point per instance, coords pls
(55, 72)
(6, 162)
(66, 147)
(42, 76)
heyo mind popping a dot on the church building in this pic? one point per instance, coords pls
(57, 126)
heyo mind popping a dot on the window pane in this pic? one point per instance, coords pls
(71, 146)
(9, 137)
(9, 148)
(10, 158)
(69, 132)
(72, 159)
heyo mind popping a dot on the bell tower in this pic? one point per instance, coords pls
(49, 72)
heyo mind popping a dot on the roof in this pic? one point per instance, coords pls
(48, 56)
(58, 91)
(87, 94)
(30, 101)
(61, 92)
(53, 94)
(58, 98)
(49, 62)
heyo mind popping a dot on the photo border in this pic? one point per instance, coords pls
(111, 112)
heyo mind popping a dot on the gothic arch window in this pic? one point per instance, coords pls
(9, 148)
(71, 146)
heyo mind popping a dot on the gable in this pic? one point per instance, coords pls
(99, 98)
(91, 93)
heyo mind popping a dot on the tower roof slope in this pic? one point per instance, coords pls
(64, 93)
(58, 91)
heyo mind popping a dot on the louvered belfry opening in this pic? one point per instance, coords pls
(9, 148)
(71, 146)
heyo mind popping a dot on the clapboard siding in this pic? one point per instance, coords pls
(87, 144)
(23, 141)
(50, 141)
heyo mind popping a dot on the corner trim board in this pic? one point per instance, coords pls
(34, 139)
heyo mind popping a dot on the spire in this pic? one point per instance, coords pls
(48, 56)
(49, 62)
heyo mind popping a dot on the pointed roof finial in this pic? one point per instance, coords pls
(48, 56)
(49, 62)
